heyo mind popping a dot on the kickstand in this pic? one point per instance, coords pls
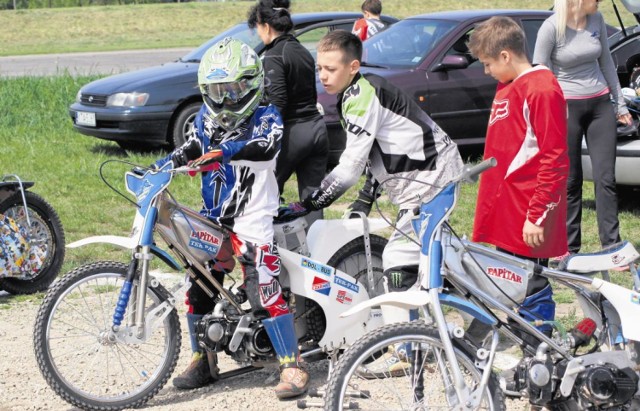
(273, 377)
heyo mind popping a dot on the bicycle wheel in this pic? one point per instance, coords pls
(87, 364)
(424, 381)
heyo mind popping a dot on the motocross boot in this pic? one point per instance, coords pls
(202, 371)
(294, 381)
(199, 373)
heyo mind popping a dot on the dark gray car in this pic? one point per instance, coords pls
(157, 105)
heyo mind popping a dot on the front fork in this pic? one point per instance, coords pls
(132, 299)
(452, 375)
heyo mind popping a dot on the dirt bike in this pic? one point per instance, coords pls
(107, 335)
(590, 367)
(42, 235)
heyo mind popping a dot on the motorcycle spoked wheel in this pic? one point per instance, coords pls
(79, 356)
(415, 375)
(350, 259)
(46, 232)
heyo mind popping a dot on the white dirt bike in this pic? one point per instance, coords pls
(107, 335)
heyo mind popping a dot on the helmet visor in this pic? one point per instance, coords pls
(232, 92)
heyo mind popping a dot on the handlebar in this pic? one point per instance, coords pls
(471, 174)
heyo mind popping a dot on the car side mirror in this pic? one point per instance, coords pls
(453, 62)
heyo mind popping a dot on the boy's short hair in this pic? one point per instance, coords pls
(492, 36)
(348, 43)
(372, 6)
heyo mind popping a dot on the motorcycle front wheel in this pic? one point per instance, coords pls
(403, 366)
(45, 232)
(83, 360)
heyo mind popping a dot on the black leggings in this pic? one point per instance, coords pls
(305, 151)
(595, 119)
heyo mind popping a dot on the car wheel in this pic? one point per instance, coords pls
(183, 126)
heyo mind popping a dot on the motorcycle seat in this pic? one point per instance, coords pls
(618, 255)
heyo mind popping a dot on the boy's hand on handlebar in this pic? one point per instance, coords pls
(532, 234)
(214, 156)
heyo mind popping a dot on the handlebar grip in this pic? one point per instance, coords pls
(471, 174)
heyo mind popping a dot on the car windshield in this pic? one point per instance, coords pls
(240, 31)
(405, 44)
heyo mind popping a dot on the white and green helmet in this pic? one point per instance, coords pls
(231, 81)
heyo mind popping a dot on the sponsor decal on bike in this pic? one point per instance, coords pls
(321, 286)
(617, 258)
(346, 284)
(505, 274)
(344, 297)
(317, 267)
(635, 298)
(204, 240)
(144, 191)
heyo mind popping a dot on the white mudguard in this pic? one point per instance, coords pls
(326, 237)
(335, 292)
(124, 242)
(406, 300)
(626, 303)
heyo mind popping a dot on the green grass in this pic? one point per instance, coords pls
(102, 28)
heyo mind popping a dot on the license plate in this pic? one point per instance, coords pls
(86, 119)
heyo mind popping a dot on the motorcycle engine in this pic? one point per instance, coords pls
(606, 385)
(215, 334)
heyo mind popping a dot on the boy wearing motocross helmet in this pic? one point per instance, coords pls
(237, 138)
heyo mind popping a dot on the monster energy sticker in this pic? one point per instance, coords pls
(395, 277)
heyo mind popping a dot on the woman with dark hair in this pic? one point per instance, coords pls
(291, 86)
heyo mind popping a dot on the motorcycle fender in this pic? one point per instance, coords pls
(627, 304)
(412, 299)
(124, 242)
(326, 237)
(128, 243)
(334, 292)
(402, 299)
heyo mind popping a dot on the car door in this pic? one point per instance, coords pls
(460, 96)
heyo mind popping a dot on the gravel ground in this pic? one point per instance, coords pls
(22, 387)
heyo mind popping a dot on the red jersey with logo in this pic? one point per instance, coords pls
(366, 28)
(527, 134)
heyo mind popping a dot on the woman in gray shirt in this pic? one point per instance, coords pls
(573, 43)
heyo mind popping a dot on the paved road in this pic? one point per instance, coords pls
(110, 62)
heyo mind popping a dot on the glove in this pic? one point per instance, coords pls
(291, 212)
(363, 203)
(356, 206)
(213, 156)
